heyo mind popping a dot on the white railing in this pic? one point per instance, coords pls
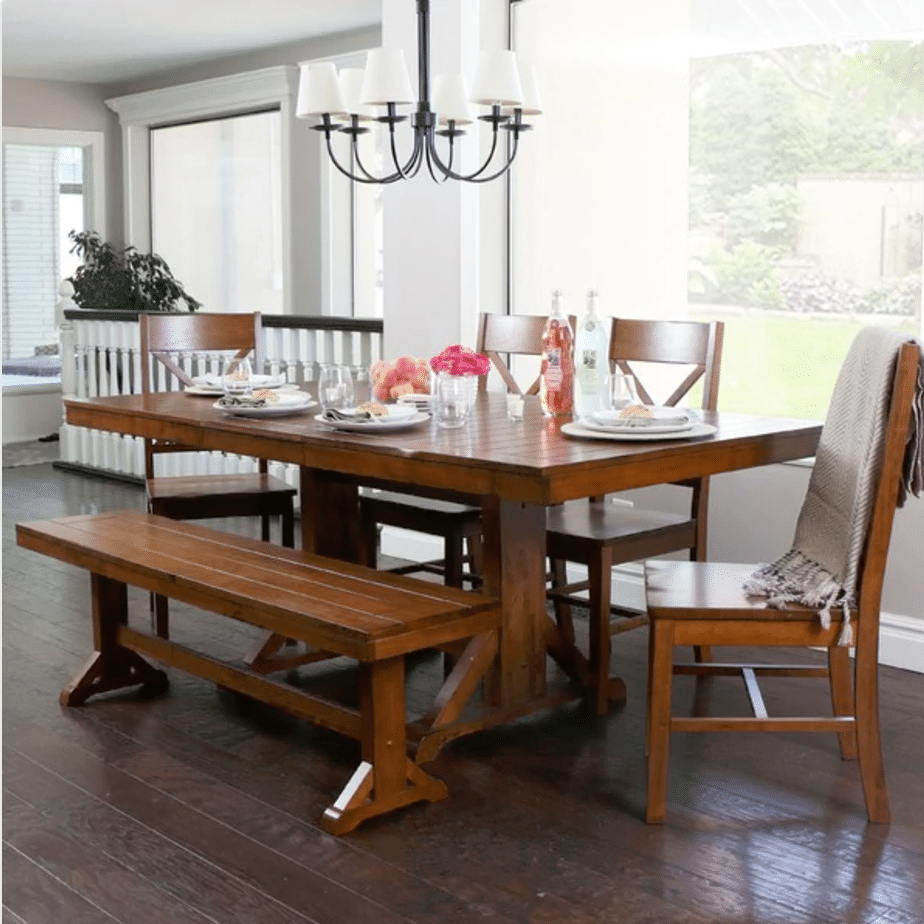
(100, 357)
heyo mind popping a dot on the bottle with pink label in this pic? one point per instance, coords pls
(556, 385)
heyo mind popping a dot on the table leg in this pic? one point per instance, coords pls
(514, 570)
(330, 515)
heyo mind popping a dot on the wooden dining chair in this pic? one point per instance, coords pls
(699, 603)
(164, 339)
(451, 514)
(600, 534)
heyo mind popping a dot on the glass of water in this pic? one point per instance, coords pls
(335, 387)
(622, 390)
(237, 377)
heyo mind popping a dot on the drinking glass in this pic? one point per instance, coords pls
(335, 387)
(514, 407)
(453, 400)
(237, 377)
(622, 390)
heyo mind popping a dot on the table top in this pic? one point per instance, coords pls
(529, 461)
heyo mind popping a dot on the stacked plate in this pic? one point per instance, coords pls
(643, 423)
(213, 385)
(355, 420)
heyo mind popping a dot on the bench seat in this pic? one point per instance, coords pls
(335, 608)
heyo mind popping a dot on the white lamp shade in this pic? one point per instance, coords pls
(319, 92)
(497, 81)
(386, 79)
(532, 101)
(351, 84)
(450, 99)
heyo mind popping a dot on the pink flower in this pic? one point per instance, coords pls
(460, 360)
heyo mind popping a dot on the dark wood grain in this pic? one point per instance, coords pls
(545, 818)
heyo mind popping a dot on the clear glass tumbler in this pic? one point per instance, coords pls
(335, 387)
(237, 377)
(622, 390)
(452, 403)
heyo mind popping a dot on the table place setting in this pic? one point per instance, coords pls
(372, 416)
(265, 402)
(214, 384)
(639, 422)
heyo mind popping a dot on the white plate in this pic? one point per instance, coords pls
(421, 402)
(208, 390)
(693, 432)
(288, 403)
(212, 384)
(399, 420)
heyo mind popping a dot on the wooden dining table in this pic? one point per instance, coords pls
(516, 468)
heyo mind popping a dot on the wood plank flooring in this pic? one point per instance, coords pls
(190, 808)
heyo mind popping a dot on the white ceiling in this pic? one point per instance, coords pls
(111, 41)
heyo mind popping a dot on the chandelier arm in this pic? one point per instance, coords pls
(476, 177)
(436, 179)
(366, 177)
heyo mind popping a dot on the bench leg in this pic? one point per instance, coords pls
(111, 667)
(386, 779)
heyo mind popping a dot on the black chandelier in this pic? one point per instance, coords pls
(343, 102)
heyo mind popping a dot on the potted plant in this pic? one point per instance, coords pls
(126, 280)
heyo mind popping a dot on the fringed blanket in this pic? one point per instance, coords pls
(822, 567)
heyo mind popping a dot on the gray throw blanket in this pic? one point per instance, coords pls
(822, 567)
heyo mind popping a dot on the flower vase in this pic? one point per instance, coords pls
(453, 399)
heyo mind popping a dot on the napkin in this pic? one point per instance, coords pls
(241, 401)
(660, 421)
(356, 416)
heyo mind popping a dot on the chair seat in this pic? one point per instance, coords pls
(194, 487)
(578, 524)
(695, 589)
(428, 515)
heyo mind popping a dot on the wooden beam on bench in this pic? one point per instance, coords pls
(338, 609)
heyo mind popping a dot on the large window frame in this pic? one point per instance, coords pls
(92, 144)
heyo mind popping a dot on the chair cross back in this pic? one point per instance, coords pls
(163, 336)
(511, 334)
(688, 343)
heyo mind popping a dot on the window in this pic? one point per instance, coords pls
(806, 211)
(216, 209)
(780, 189)
(52, 184)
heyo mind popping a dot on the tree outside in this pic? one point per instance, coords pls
(806, 204)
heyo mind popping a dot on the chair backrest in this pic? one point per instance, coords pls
(689, 343)
(888, 491)
(163, 336)
(514, 334)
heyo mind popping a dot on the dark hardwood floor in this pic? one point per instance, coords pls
(189, 808)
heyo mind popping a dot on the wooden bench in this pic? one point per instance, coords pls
(337, 608)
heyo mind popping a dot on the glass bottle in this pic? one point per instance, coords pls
(556, 384)
(591, 361)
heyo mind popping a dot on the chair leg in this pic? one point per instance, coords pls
(599, 573)
(660, 678)
(563, 617)
(452, 560)
(288, 528)
(842, 697)
(265, 527)
(869, 744)
(475, 549)
(702, 654)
